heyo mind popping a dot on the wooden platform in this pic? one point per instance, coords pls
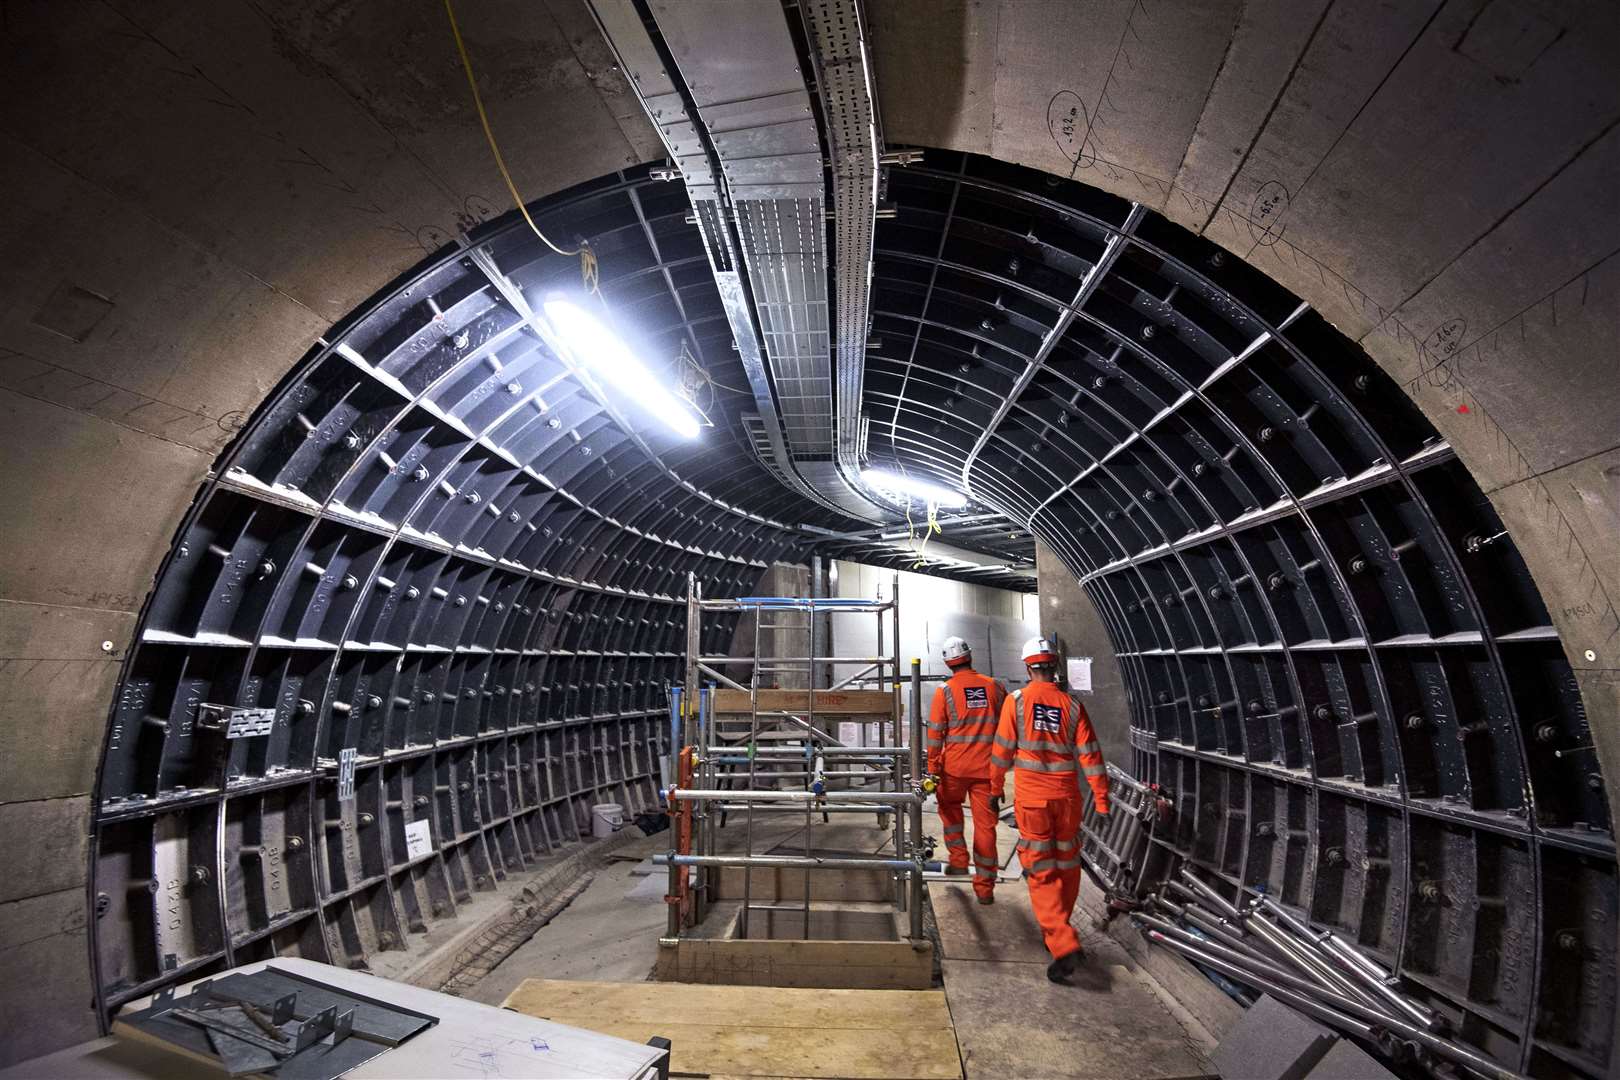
(763, 1031)
(873, 965)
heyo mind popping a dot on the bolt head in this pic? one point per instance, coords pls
(350, 581)
(419, 474)
(106, 646)
(412, 593)
(1590, 654)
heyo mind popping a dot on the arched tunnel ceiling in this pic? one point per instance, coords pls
(196, 195)
(441, 552)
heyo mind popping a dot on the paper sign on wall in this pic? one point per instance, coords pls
(1080, 674)
(418, 839)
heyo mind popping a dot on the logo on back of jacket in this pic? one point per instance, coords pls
(1048, 719)
(977, 697)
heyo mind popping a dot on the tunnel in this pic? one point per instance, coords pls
(1273, 347)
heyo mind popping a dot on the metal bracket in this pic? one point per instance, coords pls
(235, 722)
(346, 760)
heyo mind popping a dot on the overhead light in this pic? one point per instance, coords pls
(590, 343)
(904, 489)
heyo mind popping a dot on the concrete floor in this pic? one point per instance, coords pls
(1010, 1021)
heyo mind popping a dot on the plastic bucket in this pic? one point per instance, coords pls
(606, 819)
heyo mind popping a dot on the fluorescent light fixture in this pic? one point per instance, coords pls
(595, 346)
(904, 489)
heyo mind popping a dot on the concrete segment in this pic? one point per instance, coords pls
(51, 844)
(42, 952)
(52, 670)
(1261, 59)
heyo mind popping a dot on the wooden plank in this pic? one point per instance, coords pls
(873, 965)
(763, 1031)
(828, 702)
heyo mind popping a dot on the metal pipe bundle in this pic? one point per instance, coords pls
(1263, 945)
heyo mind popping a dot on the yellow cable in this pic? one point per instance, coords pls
(587, 259)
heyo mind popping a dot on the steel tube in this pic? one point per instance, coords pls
(788, 862)
(1356, 966)
(861, 674)
(1276, 988)
(1343, 952)
(833, 774)
(830, 752)
(897, 798)
(1259, 966)
(1304, 957)
(713, 674)
(914, 761)
(1446, 1048)
(788, 808)
(1210, 896)
(869, 660)
(1209, 926)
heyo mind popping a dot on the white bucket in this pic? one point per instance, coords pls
(606, 819)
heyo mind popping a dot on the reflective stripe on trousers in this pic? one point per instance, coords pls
(1051, 866)
(985, 861)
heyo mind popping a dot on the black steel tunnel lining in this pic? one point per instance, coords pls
(1335, 659)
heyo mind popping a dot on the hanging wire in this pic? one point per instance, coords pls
(588, 271)
(929, 530)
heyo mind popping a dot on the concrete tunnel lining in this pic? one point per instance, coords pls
(1539, 492)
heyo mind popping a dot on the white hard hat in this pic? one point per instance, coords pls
(955, 651)
(1040, 650)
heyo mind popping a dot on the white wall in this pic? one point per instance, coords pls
(995, 622)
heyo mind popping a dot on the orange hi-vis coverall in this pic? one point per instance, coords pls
(961, 726)
(1046, 735)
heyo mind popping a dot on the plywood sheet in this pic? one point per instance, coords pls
(763, 1031)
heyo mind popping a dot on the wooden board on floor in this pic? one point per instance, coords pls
(763, 1031)
(828, 702)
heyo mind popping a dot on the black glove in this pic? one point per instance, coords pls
(995, 805)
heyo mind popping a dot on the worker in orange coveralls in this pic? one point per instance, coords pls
(1047, 737)
(961, 725)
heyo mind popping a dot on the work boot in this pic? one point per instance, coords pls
(955, 871)
(1064, 966)
(987, 898)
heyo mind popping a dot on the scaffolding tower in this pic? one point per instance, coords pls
(740, 739)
